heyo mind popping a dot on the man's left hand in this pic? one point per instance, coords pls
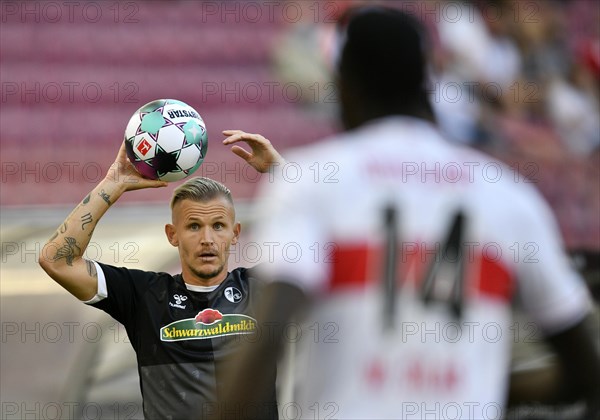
(262, 156)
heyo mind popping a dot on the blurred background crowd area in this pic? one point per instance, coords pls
(546, 121)
(517, 79)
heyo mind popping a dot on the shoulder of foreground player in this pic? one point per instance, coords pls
(321, 150)
(248, 274)
(489, 172)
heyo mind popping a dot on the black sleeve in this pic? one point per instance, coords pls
(125, 288)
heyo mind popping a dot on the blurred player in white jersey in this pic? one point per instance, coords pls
(411, 255)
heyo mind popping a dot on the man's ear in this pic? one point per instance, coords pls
(237, 228)
(171, 234)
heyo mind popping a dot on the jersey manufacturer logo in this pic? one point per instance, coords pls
(179, 299)
(233, 294)
(209, 323)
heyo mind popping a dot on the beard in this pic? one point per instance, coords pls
(207, 275)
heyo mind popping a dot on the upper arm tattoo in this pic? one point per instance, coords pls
(91, 269)
(68, 251)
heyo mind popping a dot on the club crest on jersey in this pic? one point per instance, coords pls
(179, 299)
(208, 323)
(233, 294)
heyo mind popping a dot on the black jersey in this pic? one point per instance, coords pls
(183, 338)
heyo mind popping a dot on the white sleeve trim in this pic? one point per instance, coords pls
(102, 292)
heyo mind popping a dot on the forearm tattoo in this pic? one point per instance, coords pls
(61, 229)
(68, 251)
(105, 197)
(86, 219)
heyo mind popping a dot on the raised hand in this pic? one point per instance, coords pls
(62, 256)
(262, 155)
(122, 172)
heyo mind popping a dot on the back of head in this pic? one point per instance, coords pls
(382, 67)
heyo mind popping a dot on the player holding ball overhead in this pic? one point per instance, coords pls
(185, 327)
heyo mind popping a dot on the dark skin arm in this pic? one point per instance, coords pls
(281, 302)
(575, 377)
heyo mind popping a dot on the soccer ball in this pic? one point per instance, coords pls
(166, 139)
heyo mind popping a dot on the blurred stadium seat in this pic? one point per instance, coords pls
(69, 88)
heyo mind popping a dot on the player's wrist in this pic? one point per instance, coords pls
(110, 189)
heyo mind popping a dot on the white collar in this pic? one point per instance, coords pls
(205, 289)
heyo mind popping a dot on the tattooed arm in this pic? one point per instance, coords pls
(61, 256)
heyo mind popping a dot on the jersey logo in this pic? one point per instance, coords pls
(232, 294)
(208, 323)
(179, 299)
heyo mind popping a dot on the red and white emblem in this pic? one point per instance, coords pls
(144, 147)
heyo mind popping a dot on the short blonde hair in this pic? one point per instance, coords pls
(200, 189)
